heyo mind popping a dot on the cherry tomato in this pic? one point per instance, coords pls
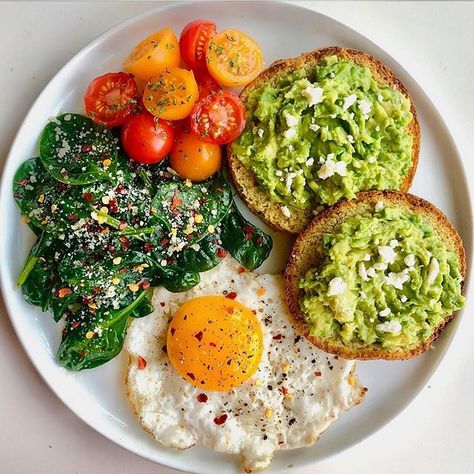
(194, 159)
(206, 84)
(233, 58)
(147, 139)
(171, 94)
(193, 42)
(218, 118)
(111, 98)
(154, 54)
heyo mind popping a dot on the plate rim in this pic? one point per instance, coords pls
(454, 325)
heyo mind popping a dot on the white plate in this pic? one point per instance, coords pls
(97, 396)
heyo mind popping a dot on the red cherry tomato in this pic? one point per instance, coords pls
(193, 42)
(111, 98)
(206, 83)
(147, 139)
(218, 118)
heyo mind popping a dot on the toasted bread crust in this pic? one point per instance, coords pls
(307, 253)
(244, 180)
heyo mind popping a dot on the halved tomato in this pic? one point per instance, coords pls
(154, 54)
(218, 118)
(171, 94)
(233, 58)
(194, 159)
(193, 42)
(111, 98)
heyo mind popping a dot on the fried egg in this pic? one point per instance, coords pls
(221, 366)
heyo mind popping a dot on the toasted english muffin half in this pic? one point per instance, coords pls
(253, 193)
(310, 252)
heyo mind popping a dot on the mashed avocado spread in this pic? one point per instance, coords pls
(319, 135)
(386, 278)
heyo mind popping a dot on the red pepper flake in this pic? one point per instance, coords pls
(241, 270)
(259, 240)
(248, 237)
(221, 253)
(284, 390)
(164, 241)
(202, 397)
(96, 289)
(232, 295)
(113, 206)
(73, 217)
(175, 203)
(62, 292)
(198, 336)
(318, 373)
(229, 310)
(162, 304)
(173, 330)
(280, 442)
(148, 247)
(277, 337)
(212, 344)
(88, 197)
(248, 229)
(86, 148)
(75, 324)
(191, 375)
(145, 284)
(122, 225)
(141, 363)
(124, 243)
(119, 189)
(220, 420)
(22, 182)
(84, 352)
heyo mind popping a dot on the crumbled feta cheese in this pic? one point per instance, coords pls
(314, 127)
(433, 271)
(397, 279)
(371, 272)
(387, 253)
(385, 312)
(365, 107)
(290, 133)
(380, 97)
(279, 172)
(314, 95)
(361, 295)
(380, 266)
(377, 128)
(366, 257)
(362, 271)
(337, 286)
(289, 180)
(330, 168)
(260, 132)
(379, 205)
(403, 299)
(286, 212)
(371, 159)
(393, 327)
(310, 161)
(409, 260)
(350, 138)
(393, 243)
(291, 120)
(348, 101)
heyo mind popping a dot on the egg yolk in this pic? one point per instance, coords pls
(215, 343)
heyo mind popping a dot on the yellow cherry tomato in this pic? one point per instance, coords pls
(233, 58)
(171, 94)
(154, 54)
(194, 159)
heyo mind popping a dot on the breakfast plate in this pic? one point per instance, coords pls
(97, 396)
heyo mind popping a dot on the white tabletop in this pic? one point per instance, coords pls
(434, 41)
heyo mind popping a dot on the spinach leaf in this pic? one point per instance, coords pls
(46, 203)
(176, 203)
(91, 340)
(249, 245)
(75, 150)
(182, 281)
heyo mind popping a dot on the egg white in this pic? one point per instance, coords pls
(295, 394)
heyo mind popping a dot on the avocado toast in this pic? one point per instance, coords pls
(322, 127)
(377, 277)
